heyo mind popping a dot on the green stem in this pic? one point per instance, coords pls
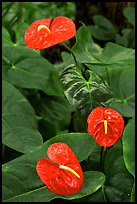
(101, 154)
(20, 12)
(107, 74)
(102, 157)
(66, 47)
(103, 192)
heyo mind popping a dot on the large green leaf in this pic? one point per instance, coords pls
(20, 177)
(119, 181)
(112, 56)
(128, 140)
(26, 68)
(103, 28)
(19, 123)
(93, 180)
(83, 89)
(85, 48)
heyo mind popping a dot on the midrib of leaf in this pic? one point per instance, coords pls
(7, 125)
(88, 87)
(34, 74)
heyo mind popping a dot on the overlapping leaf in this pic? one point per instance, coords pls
(19, 123)
(103, 28)
(82, 93)
(55, 111)
(26, 68)
(85, 49)
(119, 181)
(115, 64)
(128, 140)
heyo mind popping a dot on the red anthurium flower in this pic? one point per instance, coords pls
(105, 125)
(62, 174)
(45, 33)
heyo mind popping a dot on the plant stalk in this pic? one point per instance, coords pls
(102, 157)
(67, 48)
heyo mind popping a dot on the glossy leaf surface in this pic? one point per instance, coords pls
(83, 92)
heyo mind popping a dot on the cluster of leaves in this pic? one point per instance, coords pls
(104, 30)
(45, 103)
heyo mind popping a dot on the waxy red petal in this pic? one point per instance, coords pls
(115, 125)
(35, 39)
(58, 180)
(61, 29)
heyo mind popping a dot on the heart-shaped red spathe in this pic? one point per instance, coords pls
(60, 181)
(45, 33)
(96, 127)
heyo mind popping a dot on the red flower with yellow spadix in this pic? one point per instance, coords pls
(61, 173)
(105, 125)
(45, 33)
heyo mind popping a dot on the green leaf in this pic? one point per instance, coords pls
(82, 92)
(123, 89)
(119, 181)
(129, 13)
(93, 180)
(26, 68)
(6, 38)
(20, 177)
(52, 109)
(19, 123)
(115, 64)
(20, 33)
(118, 70)
(85, 48)
(97, 196)
(67, 60)
(103, 28)
(127, 39)
(128, 140)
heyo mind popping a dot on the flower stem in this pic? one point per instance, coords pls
(66, 47)
(102, 157)
(103, 192)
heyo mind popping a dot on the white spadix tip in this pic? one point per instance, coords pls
(69, 169)
(43, 26)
